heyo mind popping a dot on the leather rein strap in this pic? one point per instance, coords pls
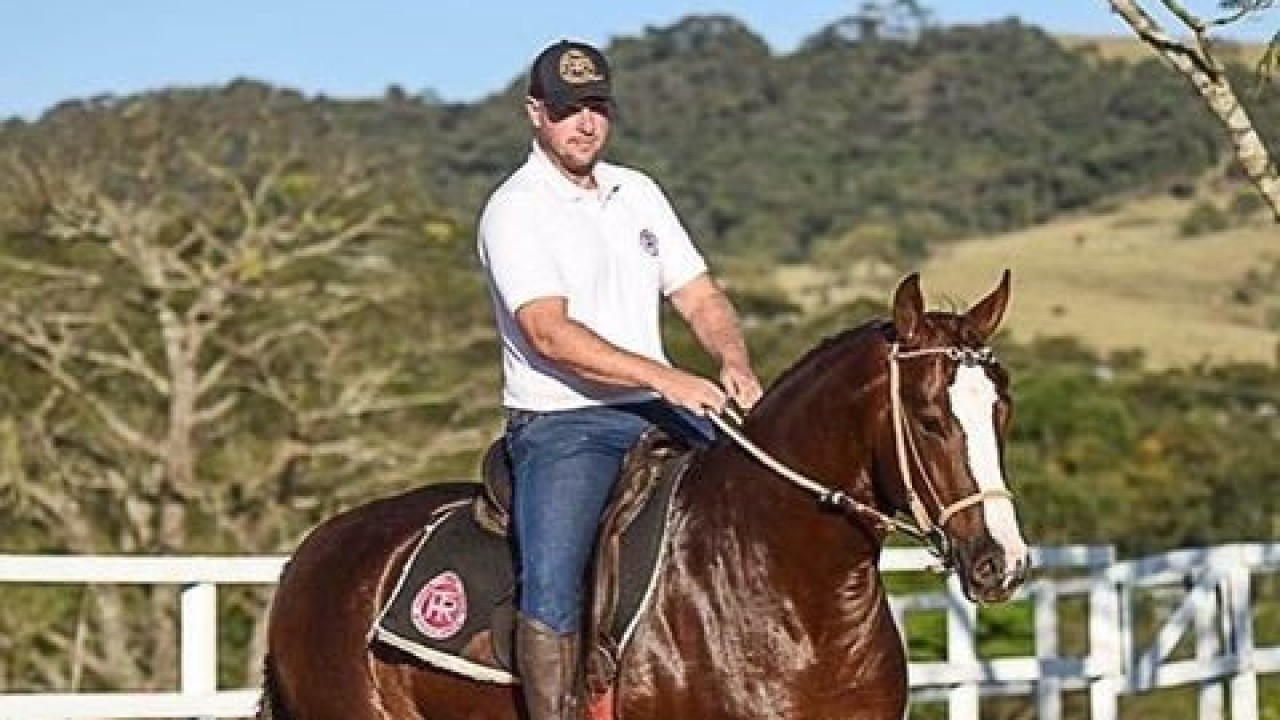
(826, 495)
(924, 529)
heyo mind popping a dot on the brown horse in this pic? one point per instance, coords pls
(769, 606)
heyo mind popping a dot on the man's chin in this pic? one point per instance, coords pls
(581, 169)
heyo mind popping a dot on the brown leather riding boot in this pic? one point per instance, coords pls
(547, 662)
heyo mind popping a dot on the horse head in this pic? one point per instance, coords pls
(944, 438)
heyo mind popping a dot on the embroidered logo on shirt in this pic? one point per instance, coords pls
(649, 242)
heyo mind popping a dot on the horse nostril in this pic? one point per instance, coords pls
(989, 569)
(989, 573)
(986, 571)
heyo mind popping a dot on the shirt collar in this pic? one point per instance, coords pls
(607, 180)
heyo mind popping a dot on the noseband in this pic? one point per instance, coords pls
(925, 529)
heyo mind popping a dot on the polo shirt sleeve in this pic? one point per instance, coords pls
(681, 261)
(516, 252)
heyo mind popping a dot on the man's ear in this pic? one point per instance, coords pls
(532, 109)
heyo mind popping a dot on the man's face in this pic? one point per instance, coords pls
(572, 137)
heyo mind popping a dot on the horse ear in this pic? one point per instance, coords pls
(986, 315)
(908, 307)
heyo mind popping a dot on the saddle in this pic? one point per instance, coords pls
(453, 606)
(642, 470)
(492, 506)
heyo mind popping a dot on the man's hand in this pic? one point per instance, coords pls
(741, 384)
(690, 391)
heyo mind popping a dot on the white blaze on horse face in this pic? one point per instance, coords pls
(973, 398)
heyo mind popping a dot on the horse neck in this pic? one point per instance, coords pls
(757, 549)
(822, 417)
(820, 420)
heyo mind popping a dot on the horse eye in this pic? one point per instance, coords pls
(933, 425)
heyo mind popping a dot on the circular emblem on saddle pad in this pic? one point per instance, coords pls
(440, 607)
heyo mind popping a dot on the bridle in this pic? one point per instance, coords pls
(932, 533)
(904, 441)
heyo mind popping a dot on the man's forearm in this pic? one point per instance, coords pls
(709, 313)
(577, 348)
(715, 325)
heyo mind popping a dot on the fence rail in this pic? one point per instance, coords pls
(199, 578)
(1208, 591)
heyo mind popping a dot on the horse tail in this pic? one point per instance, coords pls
(271, 706)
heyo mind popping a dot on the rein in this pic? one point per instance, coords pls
(826, 496)
(931, 533)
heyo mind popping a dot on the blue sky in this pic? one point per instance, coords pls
(54, 50)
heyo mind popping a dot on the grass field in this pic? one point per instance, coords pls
(1120, 280)
(1128, 47)
(1127, 280)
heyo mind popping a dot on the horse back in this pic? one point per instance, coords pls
(329, 594)
(366, 540)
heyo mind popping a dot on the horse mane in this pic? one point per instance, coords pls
(943, 325)
(834, 345)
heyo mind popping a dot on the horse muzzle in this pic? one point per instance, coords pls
(989, 572)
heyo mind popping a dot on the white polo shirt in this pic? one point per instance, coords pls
(612, 253)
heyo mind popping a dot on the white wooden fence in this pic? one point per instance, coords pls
(1203, 596)
(1204, 593)
(199, 577)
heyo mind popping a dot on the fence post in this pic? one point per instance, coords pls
(1044, 595)
(962, 651)
(1105, 664)
(1244, 683)
(1208, 643)
(199, 643)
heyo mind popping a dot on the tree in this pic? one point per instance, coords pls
(196, 340)
(1196, 61)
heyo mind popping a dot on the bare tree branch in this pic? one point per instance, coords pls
(1206, 74)
(77, 276)
(49, 352)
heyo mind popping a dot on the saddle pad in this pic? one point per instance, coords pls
(449, 590)
(453, 605)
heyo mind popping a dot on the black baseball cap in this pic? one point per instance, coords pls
(568, 73)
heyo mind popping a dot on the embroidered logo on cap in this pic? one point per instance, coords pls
(649, 242)
(577, 68)
(440, 607)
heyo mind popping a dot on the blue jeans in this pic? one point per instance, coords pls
(565, 464)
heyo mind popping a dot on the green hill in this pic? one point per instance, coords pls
(956, 132)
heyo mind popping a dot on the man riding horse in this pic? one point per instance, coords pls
(578, 253)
